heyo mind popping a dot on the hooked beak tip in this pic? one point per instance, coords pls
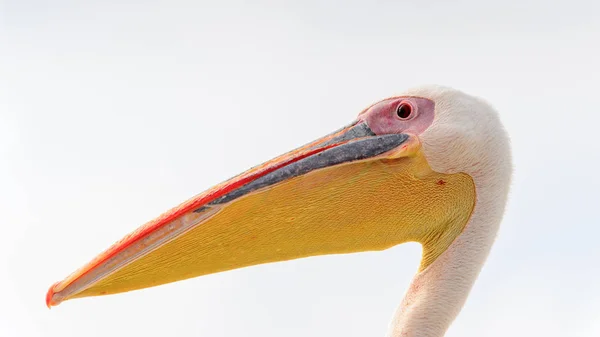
(49, 297)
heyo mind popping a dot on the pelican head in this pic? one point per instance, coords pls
(431, 165)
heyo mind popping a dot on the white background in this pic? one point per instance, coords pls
(112, 112)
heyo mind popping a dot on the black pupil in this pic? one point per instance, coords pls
(404, 110)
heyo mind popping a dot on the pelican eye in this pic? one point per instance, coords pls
(404, 111)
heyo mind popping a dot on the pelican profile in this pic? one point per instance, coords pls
(431, 165)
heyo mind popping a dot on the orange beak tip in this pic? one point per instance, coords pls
(49, 295)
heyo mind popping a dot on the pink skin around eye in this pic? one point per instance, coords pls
(383, 119)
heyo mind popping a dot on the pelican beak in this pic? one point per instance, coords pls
(350, 191)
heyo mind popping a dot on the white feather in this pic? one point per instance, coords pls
(466, 136)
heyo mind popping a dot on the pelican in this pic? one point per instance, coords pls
(431, 165)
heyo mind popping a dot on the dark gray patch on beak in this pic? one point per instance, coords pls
(358, 131)
(359, 149)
